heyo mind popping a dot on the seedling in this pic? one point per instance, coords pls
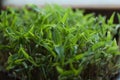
(55, 43)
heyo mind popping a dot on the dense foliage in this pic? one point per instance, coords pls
(55, 43)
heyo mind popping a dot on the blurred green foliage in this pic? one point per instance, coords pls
(55, 43)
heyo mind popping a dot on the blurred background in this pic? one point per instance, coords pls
(73, 3)
(104, 7)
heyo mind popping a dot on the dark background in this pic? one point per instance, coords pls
(0, 5)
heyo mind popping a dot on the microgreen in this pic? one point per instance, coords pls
(55, 43)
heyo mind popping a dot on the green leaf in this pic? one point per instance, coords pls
(110, 21)
(59, 69)
(64, 17)
(59, 50)
(79, 56)
(19, 61)
(109, 36)
(56, 36)
(118, 15)
(98, 45)
(22, 51)
(49, 49)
